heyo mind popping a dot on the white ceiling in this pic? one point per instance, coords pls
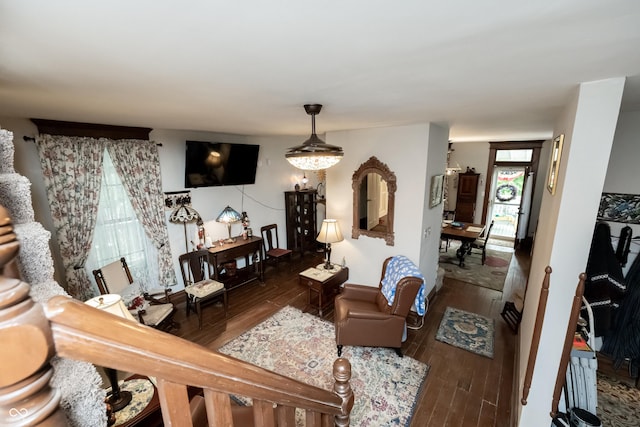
(490, 69)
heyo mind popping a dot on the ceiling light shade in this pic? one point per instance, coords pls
(229, 216)
(314, 153)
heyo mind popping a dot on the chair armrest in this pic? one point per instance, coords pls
(359, 292)
(368, 315)
(163, 297)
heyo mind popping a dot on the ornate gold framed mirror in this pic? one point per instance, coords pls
(374, 192)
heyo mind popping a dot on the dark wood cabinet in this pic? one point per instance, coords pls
(300, 209)
(466, 196)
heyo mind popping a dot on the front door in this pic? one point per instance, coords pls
(505, 202)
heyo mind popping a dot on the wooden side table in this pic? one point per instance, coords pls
(323, 285)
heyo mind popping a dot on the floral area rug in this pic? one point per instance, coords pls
(490, 275)
(385, 385)
(467, 330)
(617, 403)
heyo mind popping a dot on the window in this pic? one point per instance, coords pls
(118, 233)
(514, 155)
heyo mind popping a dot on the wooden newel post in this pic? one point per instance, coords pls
(342, 387)
(27, 346)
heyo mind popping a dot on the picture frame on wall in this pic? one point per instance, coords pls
(554, 163)
(437, 182)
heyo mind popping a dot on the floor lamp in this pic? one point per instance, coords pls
(184, 214)
(112, 303)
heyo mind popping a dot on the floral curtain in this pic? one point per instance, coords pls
(72, 170)
(138, 166)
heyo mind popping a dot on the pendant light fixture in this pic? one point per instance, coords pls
(314, 153)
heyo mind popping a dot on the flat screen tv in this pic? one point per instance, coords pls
(219, 163)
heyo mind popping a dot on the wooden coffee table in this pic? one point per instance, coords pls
(323, 285)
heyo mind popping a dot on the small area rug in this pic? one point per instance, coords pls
(468, 331)
(490, 275)
(385, 386)
(617, 402)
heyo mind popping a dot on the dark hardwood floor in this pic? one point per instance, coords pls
(461, 389)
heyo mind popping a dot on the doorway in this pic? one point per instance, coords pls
(507, 185)
(513, 167)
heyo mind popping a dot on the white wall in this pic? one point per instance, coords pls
(263, 201)
(405, 150)
(622, 174)
(564, 234)
(436, 164)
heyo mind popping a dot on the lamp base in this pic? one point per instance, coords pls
(120, 402)
(328, 266)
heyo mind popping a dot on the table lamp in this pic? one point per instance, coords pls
(229, 216)
(112, 303)
(329, 233)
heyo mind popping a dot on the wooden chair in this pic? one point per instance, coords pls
(273, 252)
(199, 286)
(116, 278)
(481, 243)
(447, 216)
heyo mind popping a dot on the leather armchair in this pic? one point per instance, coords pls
(363, 316)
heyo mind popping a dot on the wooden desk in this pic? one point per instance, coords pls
(466, 234)
(249, 249)
(323, 286)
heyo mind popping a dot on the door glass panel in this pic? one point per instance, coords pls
(506, 197)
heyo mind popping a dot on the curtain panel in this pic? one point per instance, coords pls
(138, 166)
(72, 171)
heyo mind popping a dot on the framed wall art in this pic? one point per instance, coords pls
(436, 190)
(554, 163)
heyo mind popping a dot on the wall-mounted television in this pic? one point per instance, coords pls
(219, 163)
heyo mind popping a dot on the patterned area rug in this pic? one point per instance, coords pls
(385, 386)
(468, 331)
(617, 403)
(490, 275)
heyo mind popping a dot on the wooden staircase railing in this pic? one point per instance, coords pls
(31, 334)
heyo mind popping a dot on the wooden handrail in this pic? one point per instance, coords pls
(85, 333)
(31, 334)
(568, 343)
(537, 331)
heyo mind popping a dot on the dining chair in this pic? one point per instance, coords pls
(481, 243)
(199, 286)
(271, 245)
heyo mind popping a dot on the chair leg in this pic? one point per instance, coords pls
(226, 304)
(484, 254)
(339, 350)
(199, 312)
